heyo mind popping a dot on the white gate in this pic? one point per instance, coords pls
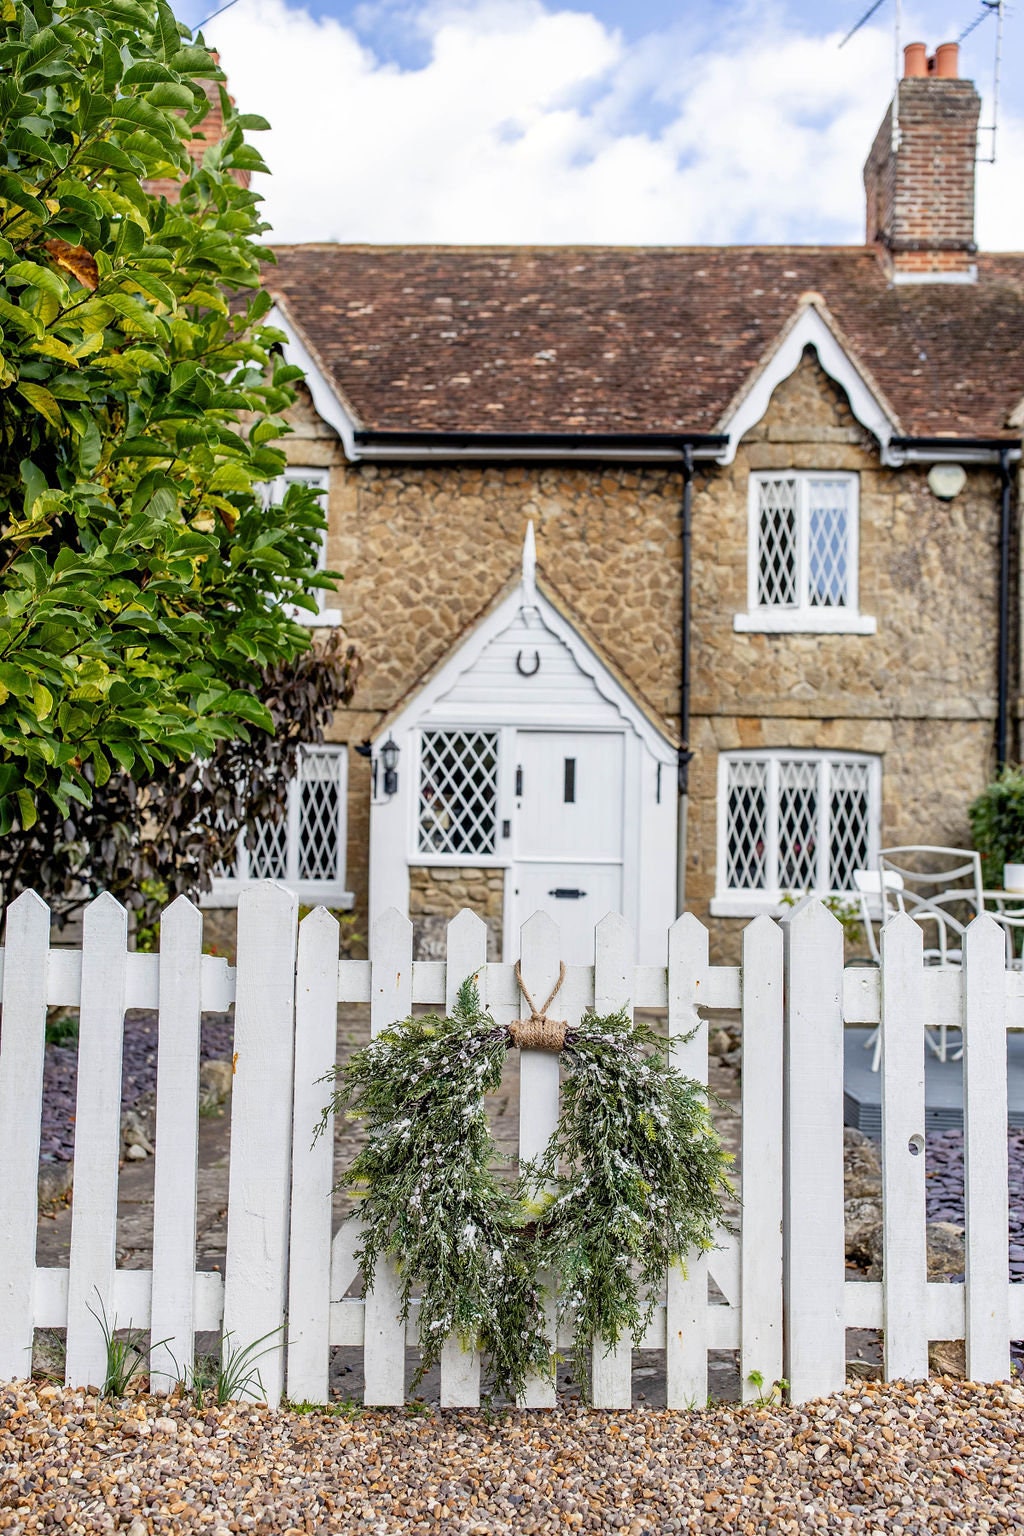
(284, 1268)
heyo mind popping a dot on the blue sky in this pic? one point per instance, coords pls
(591, 120)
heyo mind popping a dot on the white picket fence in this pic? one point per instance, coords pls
(787, 1302)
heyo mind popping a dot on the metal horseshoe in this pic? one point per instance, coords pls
(527, 671)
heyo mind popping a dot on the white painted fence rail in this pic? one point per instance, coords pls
(780, 1295)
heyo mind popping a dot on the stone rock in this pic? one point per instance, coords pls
(863, 1224)
(215, 1082)
(946, 1254)
(863, 1370)
(862, 1166)
(136, 1152)
(134, 1133)
(55, 1181)
(719, 1043)
(948, 1357)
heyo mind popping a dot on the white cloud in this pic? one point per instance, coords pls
(527, 124)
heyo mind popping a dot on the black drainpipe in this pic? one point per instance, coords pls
(685, 756)
(1002, 708)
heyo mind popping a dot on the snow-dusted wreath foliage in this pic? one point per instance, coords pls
(632, 1180)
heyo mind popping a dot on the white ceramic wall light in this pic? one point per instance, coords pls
(946, 480)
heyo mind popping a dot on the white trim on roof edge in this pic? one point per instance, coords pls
(809, 329)
(328, 404)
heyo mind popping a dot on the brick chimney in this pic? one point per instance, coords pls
(919, 176)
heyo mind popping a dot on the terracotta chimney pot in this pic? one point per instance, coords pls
(947, 61)
(915, 61)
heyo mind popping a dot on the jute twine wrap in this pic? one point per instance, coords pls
(538, 1032)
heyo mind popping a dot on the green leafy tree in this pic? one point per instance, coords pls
(145, 589)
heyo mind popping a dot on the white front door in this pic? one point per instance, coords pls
(568, 832)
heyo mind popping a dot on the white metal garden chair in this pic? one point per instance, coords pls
(874, 909)
(941, 889)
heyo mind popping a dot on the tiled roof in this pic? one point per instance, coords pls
(652, 340)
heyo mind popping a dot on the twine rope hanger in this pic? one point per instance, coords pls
(538, 1032)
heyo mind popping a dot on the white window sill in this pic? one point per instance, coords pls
(311, 893)
(327, 618)
(458, 860)
(747, 904)
(804, 621)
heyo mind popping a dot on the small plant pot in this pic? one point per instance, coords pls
(1013, 878)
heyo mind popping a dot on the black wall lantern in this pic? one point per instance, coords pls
(389, 754)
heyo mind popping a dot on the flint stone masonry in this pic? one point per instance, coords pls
(426, 549)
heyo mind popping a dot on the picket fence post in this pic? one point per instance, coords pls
(904, 1253)
(22, 1048)
(384, 1330)
(309, 1244)
(686, 1299)
(761, 1130)
(538, 1098)
(175, 1176)
(466, 954)
(614, 970)
(814, 1262)
(259, 1176)
(986, 1177)
(97, 1142)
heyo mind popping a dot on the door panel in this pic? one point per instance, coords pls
(568, 832)
(576, 896)
(569, 794)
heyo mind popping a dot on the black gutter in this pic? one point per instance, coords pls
(927, 444)
(1005, 548)
(685, 755)
(548, 440)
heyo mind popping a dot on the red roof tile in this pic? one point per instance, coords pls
(614, 339)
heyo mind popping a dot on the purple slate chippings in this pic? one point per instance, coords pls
(138, 1075)
(944, 1197)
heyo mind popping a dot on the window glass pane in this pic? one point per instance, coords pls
(319, 807)
(849, 824)
(268, 859)
(777, 544)
(458, 792)
(747, 812)
(798, 826)
(828, 543)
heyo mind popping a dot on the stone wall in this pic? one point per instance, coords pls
(425, 550)
(438, 893)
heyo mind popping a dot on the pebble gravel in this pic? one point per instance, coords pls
(941, 1456)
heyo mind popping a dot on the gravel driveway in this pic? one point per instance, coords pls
(941, 1457)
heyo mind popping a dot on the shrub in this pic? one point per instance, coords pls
(997, 824)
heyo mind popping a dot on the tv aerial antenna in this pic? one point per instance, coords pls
(897, 66)
(996, 8)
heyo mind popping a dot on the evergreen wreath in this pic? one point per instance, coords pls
(632, 1180)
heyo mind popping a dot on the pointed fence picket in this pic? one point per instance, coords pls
(288, 1280)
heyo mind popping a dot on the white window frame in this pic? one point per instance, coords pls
(802, 617)
(500, 858)
(750, 903)
(320, 478)
(226, 889)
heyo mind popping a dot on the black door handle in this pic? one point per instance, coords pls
(566, 893)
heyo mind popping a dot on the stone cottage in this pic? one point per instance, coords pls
(682, 577)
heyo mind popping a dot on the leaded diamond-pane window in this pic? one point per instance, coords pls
(307, 847)
(797, 821)
(778, 544)
(747, 813)
(804, 532)
(458, 792)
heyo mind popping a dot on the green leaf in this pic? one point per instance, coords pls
(42, 401)
(170, 38)
(12, 190)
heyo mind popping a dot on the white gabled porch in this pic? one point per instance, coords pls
(524, 753)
